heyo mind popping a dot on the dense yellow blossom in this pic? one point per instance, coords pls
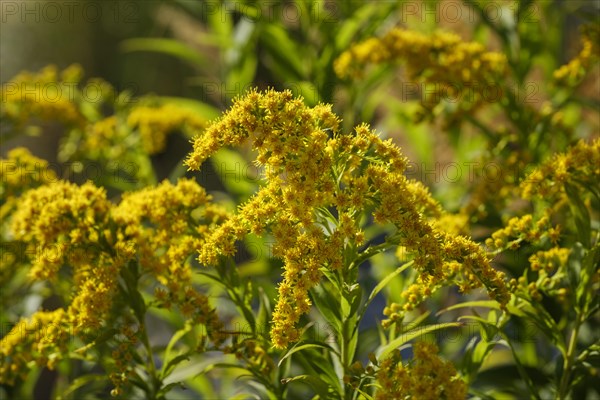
(155, 123)
(425, 377)
(45, 95)
(578, 166)
(159, 218)
(311, 169)
(518, 229)
(19, 172)
(547, 273)
(42, 339)
(549, 260)
(575, 69)
(449, 67)
(165, 225)
(78, 227)
(58, 219)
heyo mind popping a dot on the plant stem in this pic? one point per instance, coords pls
(151, 367)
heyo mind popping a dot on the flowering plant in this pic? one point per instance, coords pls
(329, 272)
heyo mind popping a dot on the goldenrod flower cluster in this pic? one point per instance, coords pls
(45, 95)
(41, 340)
(578, 166)
(99, 124)
(519, 229)
(578, 66)
(57, 219)
(313, 170)
(571, 173)
(155, 123)
(78, 227)
(19, 172)
(106, 137)
(425, 377)
(166, 225)
(447, 65)
(548, 275)
(549, 260)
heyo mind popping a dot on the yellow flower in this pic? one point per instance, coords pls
(155, 123)
(578, 166)
(41, 338)
(448, 67)
(576, 69)
(56, 219)
(44, 95)
(425, 377)
(312, 168)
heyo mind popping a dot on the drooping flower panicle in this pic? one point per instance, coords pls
(312, 169)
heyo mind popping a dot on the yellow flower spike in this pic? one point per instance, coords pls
(426, 376)
(579, 165)
(33, 339)
(305, 177)
(156, 123)
(44, 95)
(441, 60)
(46, 216)
(576, 69)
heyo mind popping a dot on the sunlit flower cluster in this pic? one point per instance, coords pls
(319, 184)
(78, 227)
(447, 65)
(519, 229)
(575, 69)
(41, 339)
(19, 172)
(425, 377)
(579, 166)
(58, 218)
(46, 95)
(155, 123)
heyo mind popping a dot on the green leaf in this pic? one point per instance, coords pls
(284, 51)
(167, 388)
(174, 339)
(79, 383)
(168, 367)
(351, 297)
(488, 329)
(481, 352)
(589, 264)
(170, 47)
(264, 311)
(204, 110)
(307, 90)
(318, 384)
(102, 338)
(328, 306)
(298, 347)
(242, 57)
(412, 334)
(383, 283)
(479, 303)
(581, 215)
(236, 173)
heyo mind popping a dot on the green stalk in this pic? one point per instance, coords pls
(150, 365)
(563, 388)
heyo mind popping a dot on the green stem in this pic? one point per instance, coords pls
(563, 388)
(155, 383)
(532, 390)
(348, 348)
(582, 313)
